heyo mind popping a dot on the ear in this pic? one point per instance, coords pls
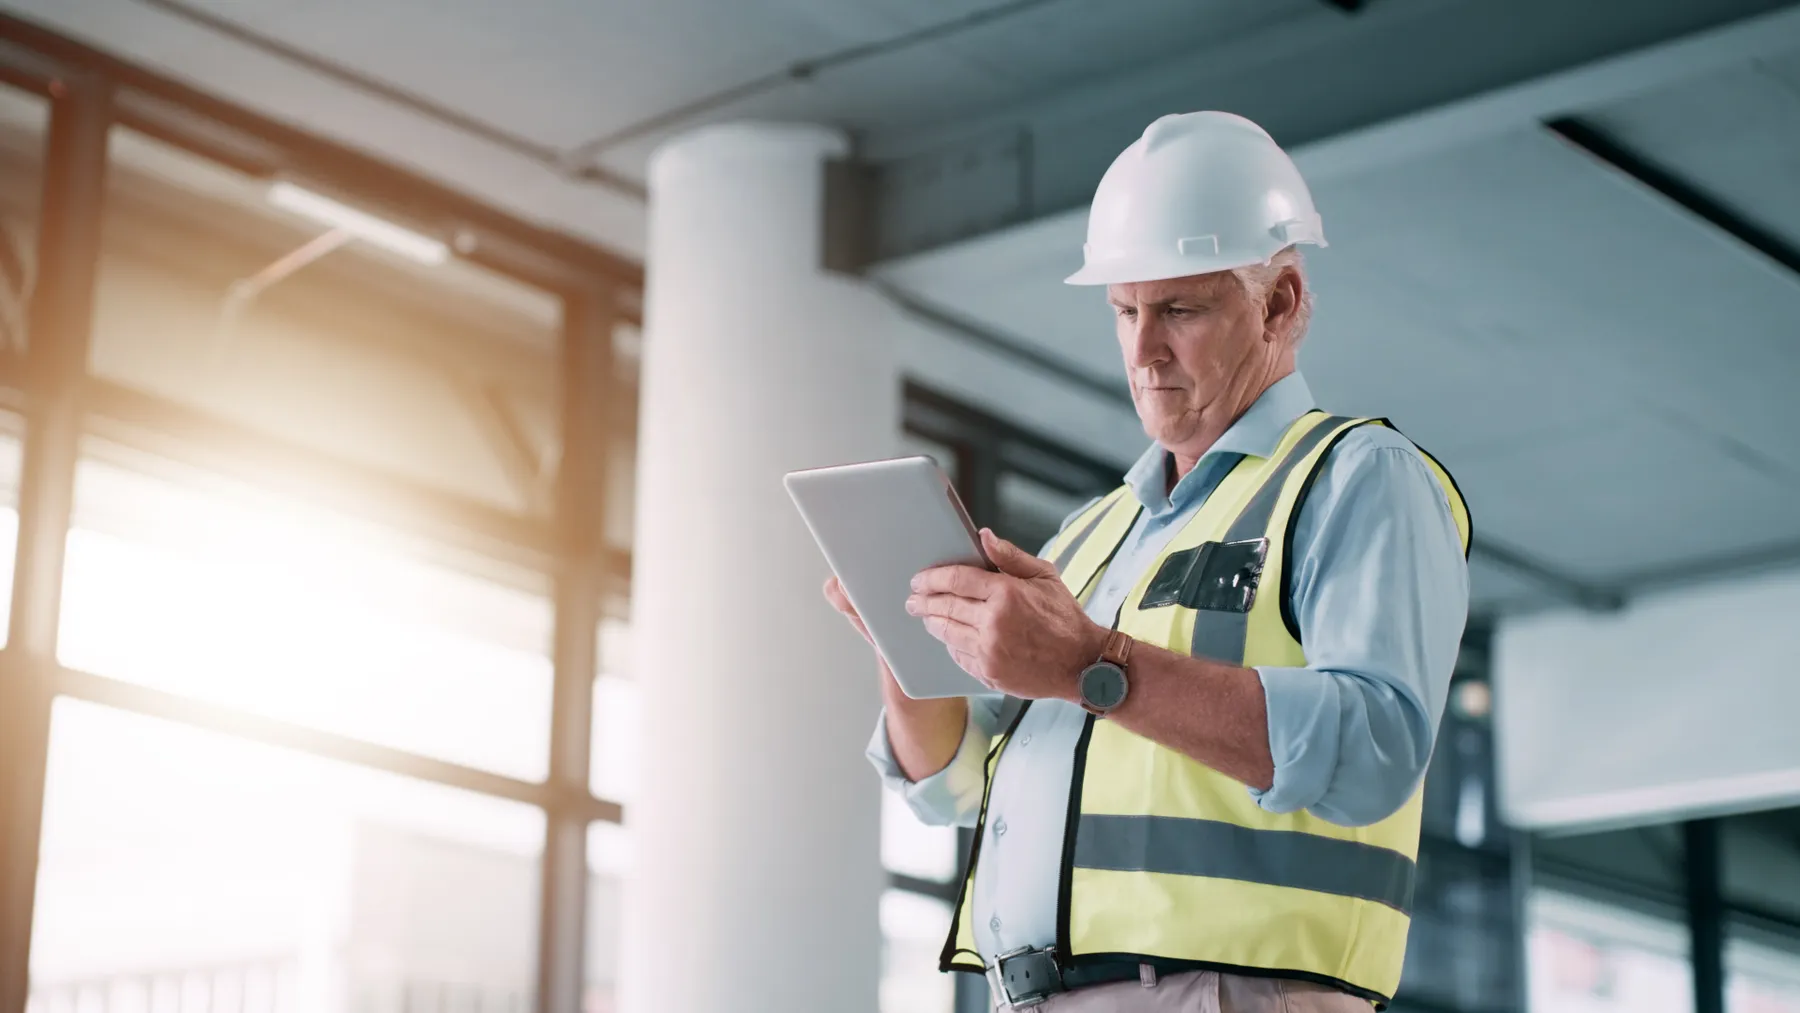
(1281, 310)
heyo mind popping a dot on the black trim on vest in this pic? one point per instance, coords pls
(950, 950)
(1078, 772)
(1065, 879)
(1293, 522)
(1101, 510)
(1087, 590)
(1468, 514)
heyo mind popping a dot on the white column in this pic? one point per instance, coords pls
(756, 871)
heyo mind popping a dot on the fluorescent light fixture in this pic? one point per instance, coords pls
(360, 224)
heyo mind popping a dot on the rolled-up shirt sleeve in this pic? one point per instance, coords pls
(952, 796)
(1380, 592)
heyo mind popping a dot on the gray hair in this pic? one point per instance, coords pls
(1258, 279)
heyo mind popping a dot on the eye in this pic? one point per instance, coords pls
(1128, 312)
(1179, 312)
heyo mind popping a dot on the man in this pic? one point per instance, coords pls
(1197, 787)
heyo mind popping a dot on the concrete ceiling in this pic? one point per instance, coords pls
(975, 112)
(1600, 362)
(1604, 368)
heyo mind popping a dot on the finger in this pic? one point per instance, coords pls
(1013, 560)
(839, 598)
(949, 606)
(964, 581)
(957, 636)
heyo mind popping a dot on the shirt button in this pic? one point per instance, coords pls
(994, 923)
(1000, 830)
(1026, 741)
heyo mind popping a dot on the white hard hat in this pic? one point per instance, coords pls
(1198, 193)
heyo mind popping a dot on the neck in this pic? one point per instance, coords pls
(1214, 420)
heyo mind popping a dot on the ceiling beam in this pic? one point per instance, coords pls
(1020, 350)
(1593, 597)
(1749, 562)
(1618, 158)
(168, 108)
(374, 87)
(1347, 6)
(1344, 94)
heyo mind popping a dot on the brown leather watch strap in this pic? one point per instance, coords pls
(1117, 649)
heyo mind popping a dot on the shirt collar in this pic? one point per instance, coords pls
(1256, 433)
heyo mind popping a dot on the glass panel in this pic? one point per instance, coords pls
(1587, 957)
(212, 590)
(913, 927)
(912, 848)
(621, 465)
(1761, 979)
(1462, 953)
(621, 492)
(12, 430)
(24, 121)
(613, 771)
(297, 315)
(609, 861)
(1031, 513)
(181, 865)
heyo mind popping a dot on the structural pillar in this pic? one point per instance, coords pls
(1705, 913)
(756, 875)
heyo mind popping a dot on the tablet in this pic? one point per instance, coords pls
(878, 524)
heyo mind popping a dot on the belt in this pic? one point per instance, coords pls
(1026, 976)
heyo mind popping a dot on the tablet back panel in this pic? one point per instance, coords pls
(878, 524)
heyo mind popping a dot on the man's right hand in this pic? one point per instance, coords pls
(924, 734)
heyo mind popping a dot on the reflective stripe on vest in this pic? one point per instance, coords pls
(1170, 862)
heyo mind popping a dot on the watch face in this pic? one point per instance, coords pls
(1103, 685)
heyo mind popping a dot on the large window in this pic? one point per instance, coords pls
(1589, 956)
(214, 591)
(24, 121)
(314, 486)
(284, 307)
(175, 858)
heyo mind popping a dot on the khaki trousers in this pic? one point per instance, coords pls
(1203, 992)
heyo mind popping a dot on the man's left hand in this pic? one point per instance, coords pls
(1019, 631)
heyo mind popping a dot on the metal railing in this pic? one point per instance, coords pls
(264, 985)
(268, 985)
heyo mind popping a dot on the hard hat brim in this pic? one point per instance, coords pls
(1125, 271)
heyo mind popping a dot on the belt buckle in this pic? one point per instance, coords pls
(1033, 998)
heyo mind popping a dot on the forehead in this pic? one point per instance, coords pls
(1195, 286)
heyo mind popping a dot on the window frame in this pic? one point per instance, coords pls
(62, 403)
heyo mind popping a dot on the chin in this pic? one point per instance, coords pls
(1171, 431)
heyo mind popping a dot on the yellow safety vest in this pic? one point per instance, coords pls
(1169, 862)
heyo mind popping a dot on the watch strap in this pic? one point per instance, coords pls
(1117, 649)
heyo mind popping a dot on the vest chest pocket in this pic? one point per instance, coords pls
(1212, 576)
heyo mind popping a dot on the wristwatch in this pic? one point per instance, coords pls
(1103, 684)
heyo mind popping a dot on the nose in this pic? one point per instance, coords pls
(1143, 341)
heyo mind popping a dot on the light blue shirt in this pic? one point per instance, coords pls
(1380, 590)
